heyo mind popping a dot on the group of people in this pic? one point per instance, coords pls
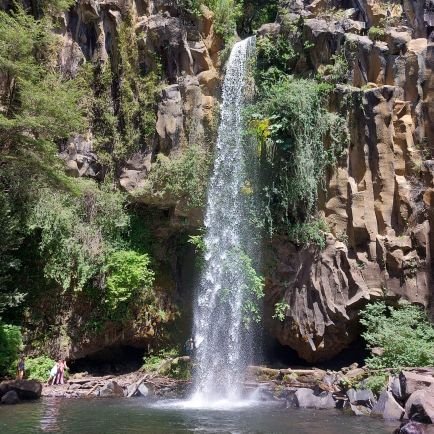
(57, 373)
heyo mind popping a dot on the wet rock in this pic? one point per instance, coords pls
(111, 389)
(169, 118)
(143, 390)
(420, 406)
(10, 398)
(395, 388)
(387, 407)
(363, 397)
(412, 381)
(360, 410)
(269, 29)
(26, 389)
(325, 36)
(305, 398)
(410, 428)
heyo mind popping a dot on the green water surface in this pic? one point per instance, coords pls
(113, 416)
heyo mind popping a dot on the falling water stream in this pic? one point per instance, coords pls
(221, 339)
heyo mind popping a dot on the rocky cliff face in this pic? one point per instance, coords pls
(377, 202)
(185, 50)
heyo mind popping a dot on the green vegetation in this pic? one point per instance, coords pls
(40, 105)
(404, 335)
(10, 347)
(127, 273)
(76, 232)
(184, 177)
(198, 242)
(137, 95)
(252, 287)
(273, 59)
(280, 311)
(255, 13)
(226, 14)
(312, 232)
(168, 362)
(376, 383)
(152, 362)
(298, 140)
(199, 248)
(11, 240)
(77, 240)
(376, 33)
(38, 368)
(337, 71)
(121, 102)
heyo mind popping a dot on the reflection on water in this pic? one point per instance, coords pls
(111, 416)
(50, 416)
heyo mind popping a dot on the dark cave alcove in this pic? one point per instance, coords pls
(121, 359)
(276, 355)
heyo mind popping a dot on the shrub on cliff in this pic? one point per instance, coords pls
(128, 272)
(182, 177)
(404, 335)
(298, 140)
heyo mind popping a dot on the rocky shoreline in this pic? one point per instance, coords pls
(409, 395)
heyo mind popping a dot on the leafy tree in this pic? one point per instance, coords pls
(11, 237)
(184, 177)
(10, 346)
(41, 107)
(404, 334)
(77, 231)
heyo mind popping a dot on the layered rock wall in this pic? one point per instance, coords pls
(377, 202)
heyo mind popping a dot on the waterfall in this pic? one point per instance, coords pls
(223, 344)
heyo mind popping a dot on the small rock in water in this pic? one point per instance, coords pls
(305, 398)
(143, 390)
(26, 389)
(361, 397)
(410, 428)
(111, 389)
(420, 406)
(10, 398)
(387, 407)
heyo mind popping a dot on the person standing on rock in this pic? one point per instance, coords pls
(61, 366)
(20, 368)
